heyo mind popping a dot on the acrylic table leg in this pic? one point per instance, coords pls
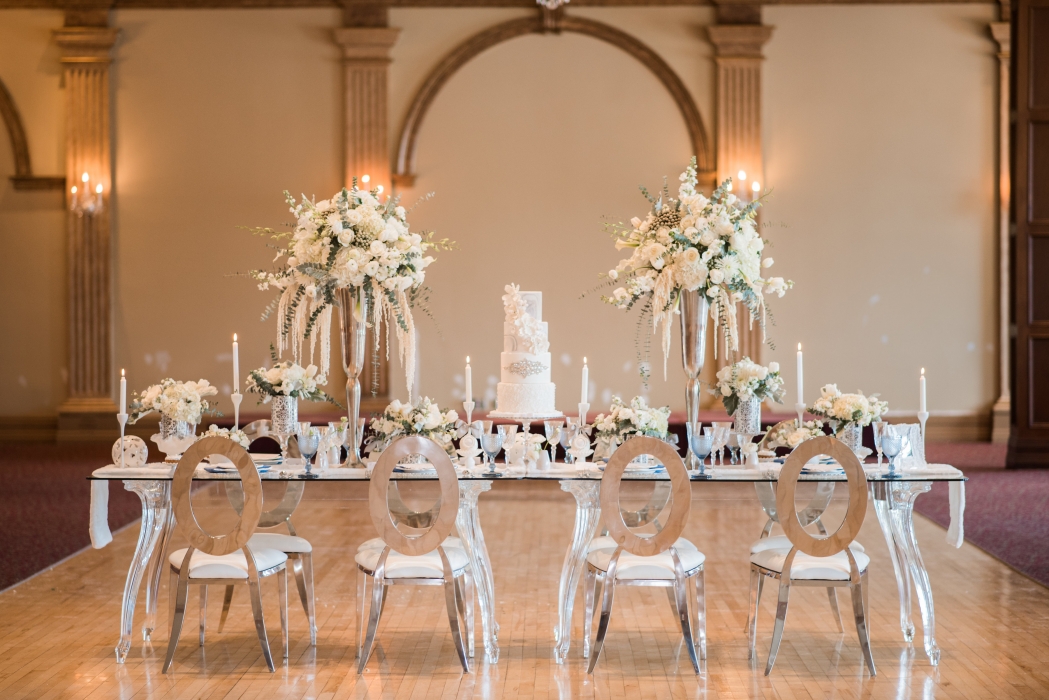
(155, 573)
(903, 496)
(468, 523)
(883, 508)
(588, 515)
(155, 503)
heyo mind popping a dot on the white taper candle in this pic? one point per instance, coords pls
(801, 377)
(469, 381)
(585, 390)
(123, 392)
(236, 366)
(921, 386)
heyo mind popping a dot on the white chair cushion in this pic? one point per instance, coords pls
(781, 542)
(403, 566)
(660, 566)
(833, 568)
(606, 542)
(377, 543)
(232, 565)
(282, 543)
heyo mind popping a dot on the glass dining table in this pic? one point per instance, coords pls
(893, 493)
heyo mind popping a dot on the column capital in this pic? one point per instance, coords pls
(739, 40)
(86, 44)
(1000, 32)
(366, 43)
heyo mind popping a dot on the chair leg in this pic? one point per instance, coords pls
(303, 570)
(609, 592)
(172, 591)
(781, 618)
(282, 590)
(833, 595)
(255, 594)
(589, 591)
(180, 594)
(752, 617)
(362, 590)
(861, 622)
(203, 611)
(454, 605)
(701, 612)
(468, 616)
(373, 624)
(680, 593)
(226, 600)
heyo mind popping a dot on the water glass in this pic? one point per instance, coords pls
(507, 432)
(309, 441)
(701, 446)
(552, 430)
(891, 445)
(491, 443)
(567, 435)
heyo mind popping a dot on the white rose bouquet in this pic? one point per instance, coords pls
(232, 434)
(179, 401)
(843, 410)
(353, 239)
(288, 379)
(637, 418)
(788, 434)
(694, 243)
(748, 380)
(425, 418)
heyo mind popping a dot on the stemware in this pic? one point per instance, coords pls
(878, 427)
(701, 446)
(725, 427)
(507, 432)
(552, 430)
(491, 443)
(337, 439)
(567, 435)
(309, 441)
(892, 445)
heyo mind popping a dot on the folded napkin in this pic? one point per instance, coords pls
(99, 528)
(956, 532)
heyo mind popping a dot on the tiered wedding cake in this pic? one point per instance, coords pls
(525, 389)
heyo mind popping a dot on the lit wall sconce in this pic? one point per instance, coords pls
(83, 201)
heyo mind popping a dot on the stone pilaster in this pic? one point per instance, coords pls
(737, 54)
(1001, 415)
(89, 409)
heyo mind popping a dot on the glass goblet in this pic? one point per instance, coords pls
(507, 432)
(878, 427)
(552, 430)
(701, 446)
(568, 434)
(491, 443)
(309, 441)
(892, 445)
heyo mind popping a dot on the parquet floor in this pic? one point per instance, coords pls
(57, 631)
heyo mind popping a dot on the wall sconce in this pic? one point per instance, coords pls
(82, 200)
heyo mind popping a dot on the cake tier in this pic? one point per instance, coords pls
(511, 343)
(525, 368)
(525, 399)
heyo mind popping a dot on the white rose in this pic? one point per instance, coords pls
(766, 263)
(773, 367)
(613, 274)
(717, 276)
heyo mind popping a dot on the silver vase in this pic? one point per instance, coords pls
(695, 310)
(353, 318)
(748, 416)
(852, 436)
(175, 429)
(284, 416)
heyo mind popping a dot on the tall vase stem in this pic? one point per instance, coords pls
(353, 315)
(694, 314)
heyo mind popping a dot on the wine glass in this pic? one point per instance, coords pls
(337, 432)
(878, 427)
(720, 443)
(491, 443)
(552, 430)
(309, 441)
(701, 446)
(567, 435)
(892, 445)
(507, 432)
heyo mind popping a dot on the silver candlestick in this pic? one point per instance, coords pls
(236, 398)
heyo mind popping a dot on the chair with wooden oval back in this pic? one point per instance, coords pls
(664, 559)
(226, 559)
(298, 549)
(827, 561)
(418, 560)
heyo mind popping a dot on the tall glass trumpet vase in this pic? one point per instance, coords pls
(695, 310)
(353, 316)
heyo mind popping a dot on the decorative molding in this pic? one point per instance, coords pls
(85, 57)
(23, 179)
(1002, 411)
(255, 4)
(961, 426)
(543, 22)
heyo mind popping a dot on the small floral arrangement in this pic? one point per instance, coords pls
(789, 434)
(843, 410)
(425, 418)
(353, 240)
(638, 418)
(748, 380)
(288, 379)
(694, 243)
(179, 401)
(232, 434)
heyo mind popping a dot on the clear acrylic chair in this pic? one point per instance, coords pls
(828, 561)
(226, 559)
(298, 549)
(664, 560)
(418, 560)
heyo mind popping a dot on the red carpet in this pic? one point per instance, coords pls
(44, 504)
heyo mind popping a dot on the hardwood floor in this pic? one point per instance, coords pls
(58, 630)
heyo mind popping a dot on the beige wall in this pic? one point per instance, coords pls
(879, 143)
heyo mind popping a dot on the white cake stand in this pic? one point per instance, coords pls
(526, 419)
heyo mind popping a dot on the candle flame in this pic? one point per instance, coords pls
(85, 177)
(98, 188)
(584, 360)
(366, 179)
(467, 359)
(742, 174)
(756, 186)
(74, 189)
(121, 373)
(923, 371)
(799, 347)
(234, 337)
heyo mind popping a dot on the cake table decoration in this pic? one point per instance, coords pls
(525, 391)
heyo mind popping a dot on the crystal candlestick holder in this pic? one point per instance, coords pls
(122, 419)
(469, 407)
(583, 409)
(236, 398)
(922, 417)
(800, 408)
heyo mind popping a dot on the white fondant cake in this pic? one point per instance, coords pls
(525, 388)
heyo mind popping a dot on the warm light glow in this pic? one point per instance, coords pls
(74, 189)
(98, 188)
(234, 337)
(728, 187)
(923, 371)
(742, 174)
(584, 360)
(756, 186)
(467, 359)
(799, 347)
(366, 179)
(84, 177)
(379, 189)
(121, 373)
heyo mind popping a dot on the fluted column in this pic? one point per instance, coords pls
(89, 406)
(737, 54)
(1001, 415)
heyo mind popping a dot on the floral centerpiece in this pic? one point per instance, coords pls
(183, 402)
(425, 418)
(789, 434)
(288, 379)
(637, 418)
(232, 434)
(747, 380)
(694, 243)
(844, 410)
(353, 240)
